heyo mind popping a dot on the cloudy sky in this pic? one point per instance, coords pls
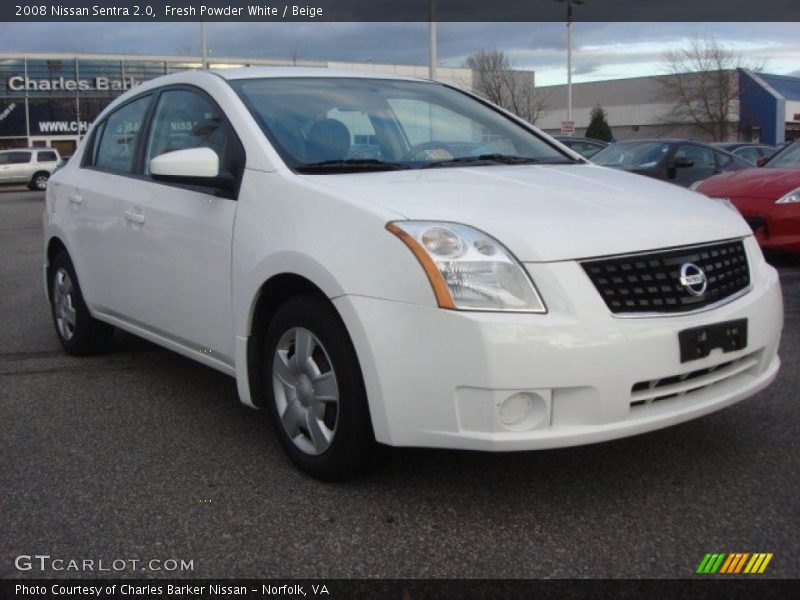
(603, 50)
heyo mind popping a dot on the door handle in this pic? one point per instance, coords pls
(75, 198)
(134, 217)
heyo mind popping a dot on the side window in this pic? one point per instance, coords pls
(117, 147)
(725, 161)
(18, 158)
(750, 154)
(703, 157)
(47, 157)
(185, 119)
(95, 144)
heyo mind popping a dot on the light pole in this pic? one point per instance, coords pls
(203, 45)
(569, 54)
(432, 59)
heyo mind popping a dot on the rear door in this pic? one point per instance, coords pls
(5, 166)
(19, 166)
(179, 272)
(94, 197)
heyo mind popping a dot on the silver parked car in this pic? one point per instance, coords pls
(31, 166)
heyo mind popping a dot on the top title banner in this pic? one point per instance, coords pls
(404, 10)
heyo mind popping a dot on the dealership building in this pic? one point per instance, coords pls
(766, 108)
(50, 100)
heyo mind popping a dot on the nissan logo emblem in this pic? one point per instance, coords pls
(694, 279)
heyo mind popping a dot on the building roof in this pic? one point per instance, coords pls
(786, 85)
(265, 72)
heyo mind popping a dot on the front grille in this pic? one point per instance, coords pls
(650, 282)
(646, 393)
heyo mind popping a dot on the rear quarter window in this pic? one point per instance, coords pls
(47, 157)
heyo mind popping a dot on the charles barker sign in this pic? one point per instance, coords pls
(18, 83)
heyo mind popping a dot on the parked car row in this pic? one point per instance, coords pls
(768, 197)
(683, 162)
(586, 147)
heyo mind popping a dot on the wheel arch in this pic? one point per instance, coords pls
(37, 173)
(54, 246)
(273, 293)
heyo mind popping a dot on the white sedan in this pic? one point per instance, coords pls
(382, 259)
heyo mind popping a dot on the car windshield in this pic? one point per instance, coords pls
(641, 155)
(788, 159)
(328, 125)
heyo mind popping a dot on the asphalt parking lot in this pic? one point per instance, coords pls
(143, 454)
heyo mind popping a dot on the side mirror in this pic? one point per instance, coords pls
(762, 160)
(193, 166)
(682, 162)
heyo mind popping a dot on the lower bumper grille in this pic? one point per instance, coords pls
(677, 386)
(656, 282)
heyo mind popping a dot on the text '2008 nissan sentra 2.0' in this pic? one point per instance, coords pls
(384, 259)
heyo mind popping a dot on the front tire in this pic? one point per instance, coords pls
(39, 181)
(79, 333)
(314, 390)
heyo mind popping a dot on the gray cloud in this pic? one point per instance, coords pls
(533, 45)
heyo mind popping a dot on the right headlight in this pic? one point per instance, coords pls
(468, 269)
(790, 198)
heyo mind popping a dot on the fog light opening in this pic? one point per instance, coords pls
(522, 410)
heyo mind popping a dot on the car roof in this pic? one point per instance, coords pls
(579, 138)
(740, 145)
(29, 150)
(321, 72)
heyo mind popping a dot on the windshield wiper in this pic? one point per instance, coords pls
(349, 165)
(492, 159)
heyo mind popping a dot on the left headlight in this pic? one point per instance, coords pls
(790, 198)
(468, 269)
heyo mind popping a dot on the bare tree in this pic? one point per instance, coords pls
(702, 87)
(495, 78)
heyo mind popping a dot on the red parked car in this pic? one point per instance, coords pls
(768, 198)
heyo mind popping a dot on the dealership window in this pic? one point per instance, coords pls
(120, 135)
(7, 143)
(185, 119)
(51, 77)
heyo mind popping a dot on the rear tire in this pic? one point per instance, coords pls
(39, 181)
(79, 333)
(313, 389)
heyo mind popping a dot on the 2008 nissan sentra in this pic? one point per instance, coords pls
(379, 259)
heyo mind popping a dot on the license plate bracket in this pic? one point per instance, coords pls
(698, 342)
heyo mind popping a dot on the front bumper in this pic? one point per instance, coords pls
(442, 378)
(776, 226)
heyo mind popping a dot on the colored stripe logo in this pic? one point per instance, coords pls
(732, 563)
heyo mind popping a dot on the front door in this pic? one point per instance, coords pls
(704, 164)
(179, 263)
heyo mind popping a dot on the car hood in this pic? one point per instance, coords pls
(550, 212)
(762, 183)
